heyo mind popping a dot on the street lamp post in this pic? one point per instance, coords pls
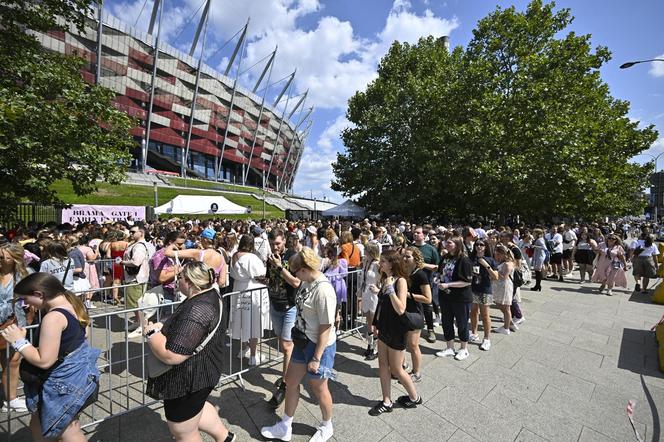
(629, 64)
(657, 185)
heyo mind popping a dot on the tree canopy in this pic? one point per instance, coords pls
(518, 122)
(53, 125)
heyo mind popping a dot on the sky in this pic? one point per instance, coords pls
(336, 45)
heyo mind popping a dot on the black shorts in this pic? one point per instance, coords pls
(567, 254)
(184, 408)
(556, 258)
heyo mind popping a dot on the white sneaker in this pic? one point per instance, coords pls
(323, 434)
(514, 327)
(17, 405)
(486, 345)
(136, 333)
(436, 321)
(448, 352)
(89, 305)
(502, 331)
(461, 354)
(244, 353)
(609, 292)
(278, 431)
(474, 338)
(519, 321)
(255, 360)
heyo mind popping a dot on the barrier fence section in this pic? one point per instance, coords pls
(123, 379)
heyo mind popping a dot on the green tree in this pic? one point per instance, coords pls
(520, 122)
(53, 125)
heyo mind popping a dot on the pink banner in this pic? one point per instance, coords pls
(80, 213)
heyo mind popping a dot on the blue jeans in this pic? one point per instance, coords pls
(303, 356)
(283, 322)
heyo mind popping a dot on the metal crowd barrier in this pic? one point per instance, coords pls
(122, 361)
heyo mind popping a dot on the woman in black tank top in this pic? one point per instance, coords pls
(59, 355)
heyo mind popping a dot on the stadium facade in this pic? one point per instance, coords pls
(235, 135)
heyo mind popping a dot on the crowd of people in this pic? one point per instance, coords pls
(306, 281)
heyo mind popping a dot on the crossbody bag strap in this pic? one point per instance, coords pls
(211, 335)
(300, 317)
(64, 278)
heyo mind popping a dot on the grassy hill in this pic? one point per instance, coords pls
(131, 195)
(203, 184)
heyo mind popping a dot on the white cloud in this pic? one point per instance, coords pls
(657, 67)
(315, 173)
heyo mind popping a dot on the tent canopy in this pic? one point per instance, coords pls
(200, 204)
(348, 209)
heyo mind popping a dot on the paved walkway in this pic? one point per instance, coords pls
(566, 375)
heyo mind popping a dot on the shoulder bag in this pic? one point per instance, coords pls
(413, 317)
(155, 367)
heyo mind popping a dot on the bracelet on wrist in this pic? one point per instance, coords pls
(152, 332)
(20, 344)
(315, 359)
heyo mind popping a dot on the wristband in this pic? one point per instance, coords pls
(149, 334)
(20, 344)
(314, 359)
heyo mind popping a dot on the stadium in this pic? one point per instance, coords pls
(234, 136)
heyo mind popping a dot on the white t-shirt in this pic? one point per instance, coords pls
(650, 251)
(319, 307)
(569, 240)
(557, 243)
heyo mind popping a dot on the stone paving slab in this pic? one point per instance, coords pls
(566, 375)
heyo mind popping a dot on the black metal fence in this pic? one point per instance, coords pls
(31, 212)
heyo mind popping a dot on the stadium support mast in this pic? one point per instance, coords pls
(155, 61)
(153, 17)
(281, 124)
(203, 24)
(290, 143)
(100, 31)
(240, 45)
(260, 114)
(299, 156)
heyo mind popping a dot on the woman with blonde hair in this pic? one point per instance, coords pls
(503, 287)
(367, 297)
(191, 341)
(12, 270)
(315, 346)
(58, 356)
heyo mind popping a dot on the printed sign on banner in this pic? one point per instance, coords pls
(81, 213)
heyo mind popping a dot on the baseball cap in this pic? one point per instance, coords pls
(312, 230)
(256, 230)
(209, 233)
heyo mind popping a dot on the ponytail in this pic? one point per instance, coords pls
(79, 308)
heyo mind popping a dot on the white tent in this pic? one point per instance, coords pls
(200, 204)
(348, 210)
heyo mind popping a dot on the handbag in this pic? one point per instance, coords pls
(155, 367)
(299, 338)
(413, 317)
(9, 321)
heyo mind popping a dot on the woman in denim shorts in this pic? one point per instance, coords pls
(315, 346)
(485, 270)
